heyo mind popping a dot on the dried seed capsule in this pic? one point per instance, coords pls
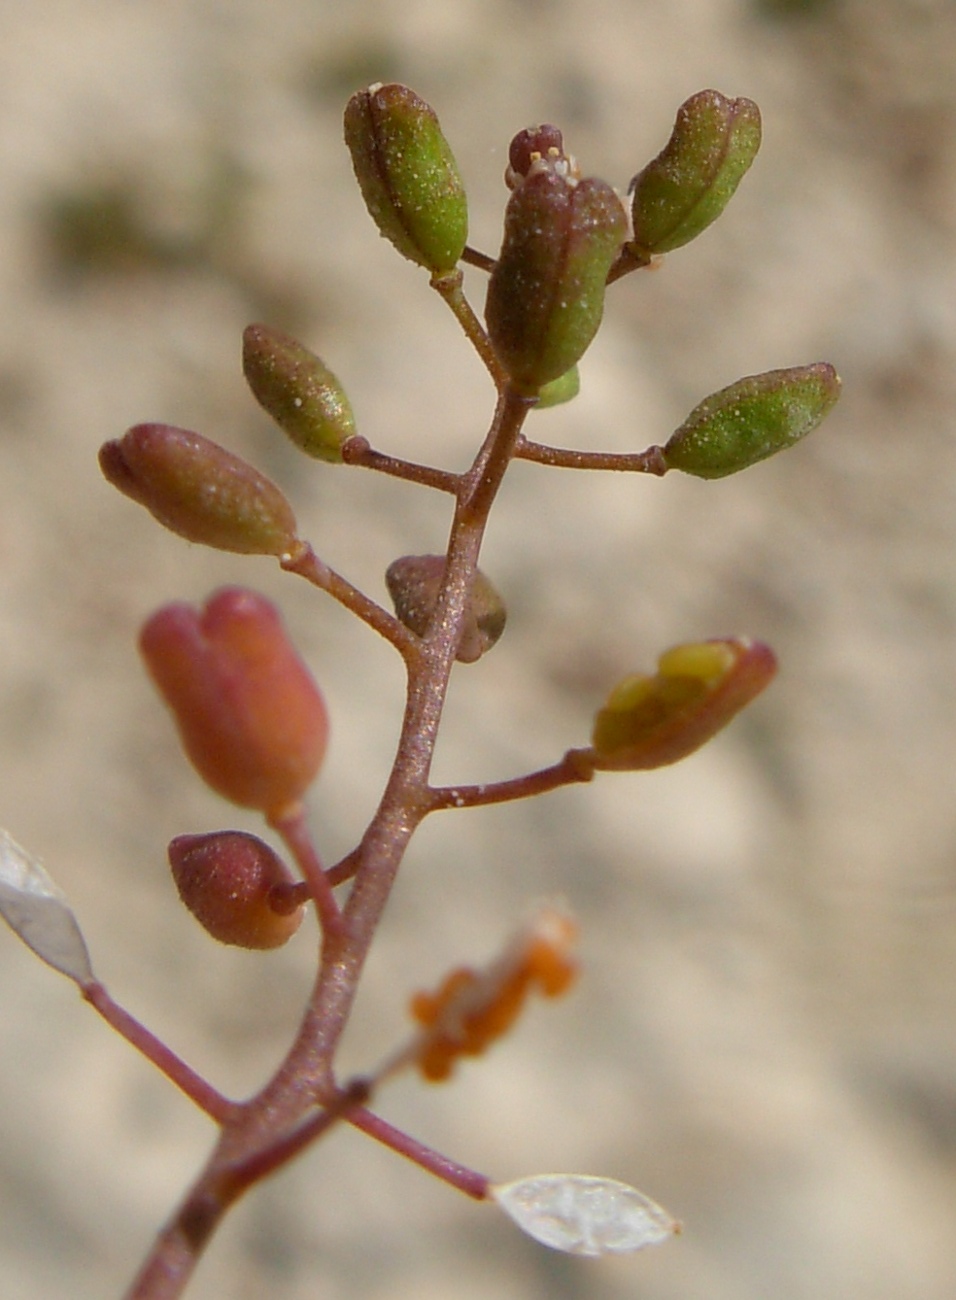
(237, 888)
(693, 178)
(651, 721)
(408, 175)
(413, 583)
(752, 419)
(298, 390)
(251, 719)
(546, 292)
(199, 490)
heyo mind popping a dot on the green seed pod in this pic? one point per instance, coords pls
(301, 394)
(693, 178)
(413, 583)
(563, 389)
(408, 175)
(751, 420)
(652, 721)
(546, 293)
(199, 490)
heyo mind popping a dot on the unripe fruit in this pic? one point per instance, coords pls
(408, 175)
(237, 888)
(752, 419)
(413, 583)
(298, 390)
(546, 292)
(652, 721)
(199, 490)
(688, 185)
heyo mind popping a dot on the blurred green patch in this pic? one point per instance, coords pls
(793, 8)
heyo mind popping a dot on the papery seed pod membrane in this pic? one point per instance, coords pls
(414, 582)
(546, 292)
(251, 719)
(752, 419)
(654, 720)
(298, 390)
(688, 185)
(408, 175)
(237, 888)
(199, 490)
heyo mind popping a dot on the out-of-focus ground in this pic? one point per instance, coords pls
(764, 1038)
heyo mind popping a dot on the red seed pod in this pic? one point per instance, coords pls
(251, 719)
(237, 888)
(199, 490)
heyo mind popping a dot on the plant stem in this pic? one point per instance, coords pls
(307, 565)
(570, 769)
(195, 1087)
(294, 830)
(450, 288)
(460, 1176)
(650, 461)
(274, 1125)
(358, 451)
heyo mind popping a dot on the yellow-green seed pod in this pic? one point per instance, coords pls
(298, 390)
(693, 178)
(654, 720)
(408, 175)
(751, 420)
(546, 292)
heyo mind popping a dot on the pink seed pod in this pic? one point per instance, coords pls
(237, 888)
(252, 720)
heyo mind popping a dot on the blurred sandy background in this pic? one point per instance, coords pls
(765, 1037)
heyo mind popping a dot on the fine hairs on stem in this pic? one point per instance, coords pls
(253, 722)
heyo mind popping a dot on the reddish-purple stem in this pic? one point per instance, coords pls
(205, 1096)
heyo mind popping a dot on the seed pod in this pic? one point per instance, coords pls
(301, 394)
(237, 888)
(563, 389)
(752, 419)
(546, 292)
(651, 721)
(693, 178)
(413, 583)
(199, 490)
(408, 175)
(251, 719)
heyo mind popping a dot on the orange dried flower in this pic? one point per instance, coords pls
(471, 1008)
